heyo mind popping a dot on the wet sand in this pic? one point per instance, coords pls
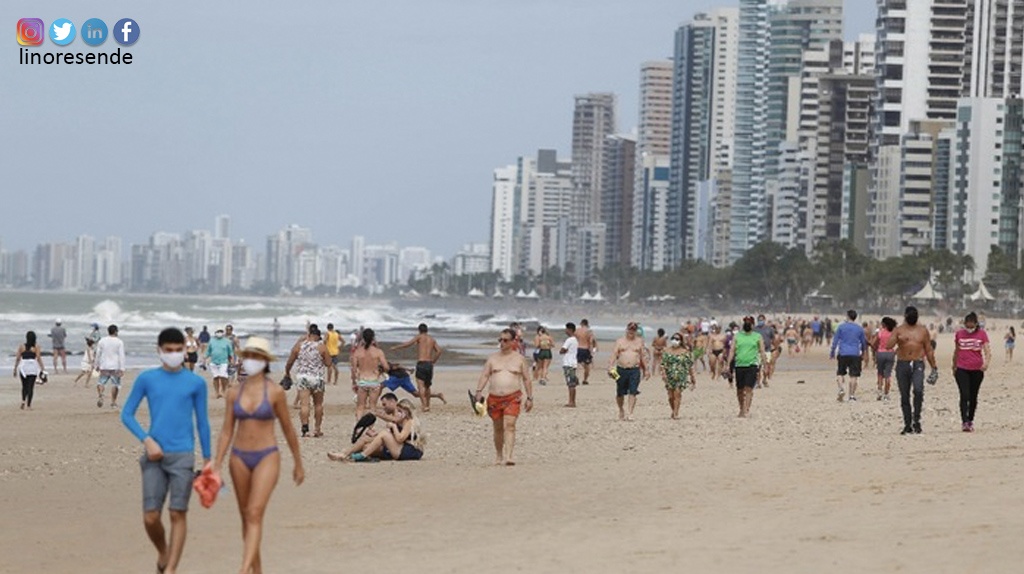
(806, 485)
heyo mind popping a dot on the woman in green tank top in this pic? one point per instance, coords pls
(748, 353)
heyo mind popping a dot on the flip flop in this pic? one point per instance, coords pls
(365, 422)
(478, 408)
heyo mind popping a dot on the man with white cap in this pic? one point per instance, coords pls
(58, 336)
(220, 353)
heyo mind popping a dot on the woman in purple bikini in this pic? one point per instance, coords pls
(255, 459)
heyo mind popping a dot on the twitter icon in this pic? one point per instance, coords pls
(62, 32)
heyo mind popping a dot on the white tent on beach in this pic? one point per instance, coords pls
(586, 296)
(475, 293)
(982, 294)
(927, 293)
(498, 294)
(598, 297)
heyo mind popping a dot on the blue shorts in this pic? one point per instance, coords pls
(628, 383)
(393, 383)
(109, 377)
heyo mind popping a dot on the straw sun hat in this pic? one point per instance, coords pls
(258, 346)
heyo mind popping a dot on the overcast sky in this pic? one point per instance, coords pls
(381, 118)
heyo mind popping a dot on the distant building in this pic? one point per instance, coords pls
(504, 221)
(472, 259)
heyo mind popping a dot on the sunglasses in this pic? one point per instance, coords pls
(504, 340)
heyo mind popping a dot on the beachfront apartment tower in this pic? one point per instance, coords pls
(794, 29)
(617, 198)
(920, 76)
(748, 221)
(651, 237)
(703, 130)
(654, 138)
(691, 151)
(995, 55)
(654, 134)
(593, 121)
(838, 202)
(544, 190)
(984, 200)
(504, 216)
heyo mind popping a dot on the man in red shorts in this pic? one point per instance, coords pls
(505, 376)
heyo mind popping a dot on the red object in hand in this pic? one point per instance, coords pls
(207, 484)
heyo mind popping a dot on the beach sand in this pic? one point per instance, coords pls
(806, 485)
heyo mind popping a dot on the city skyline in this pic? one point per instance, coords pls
(211, 261)
(244, 126)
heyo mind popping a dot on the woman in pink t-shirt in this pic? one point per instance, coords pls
(971, 356)
(884, 360)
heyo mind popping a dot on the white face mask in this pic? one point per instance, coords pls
(253, 366)
(172, 360)
(674, 342)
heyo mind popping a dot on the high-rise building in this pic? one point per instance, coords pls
(654, 134)
(748, 219)
(357, 260)
(222, 227)
(593, 121)
(650, 224)
(85, 262)
(838, 199)
(919, 64)
(657, 128)
(545, 193)
(794, 29)
(504, 220)
(942, 188)
(691, 152)
(198, 247)
(984, 206)
(617, 199)
(284, 249)
(921, 72)
(472, 259)
(703, 121)
(243, 271)
(412, 261)
(995, 55)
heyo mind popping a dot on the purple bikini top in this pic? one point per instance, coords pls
(263, 412)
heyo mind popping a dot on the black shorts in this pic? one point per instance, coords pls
(849, 363)
(409, 452)
(192, 358)
(746, 376)
(425, 372)
(584, 357)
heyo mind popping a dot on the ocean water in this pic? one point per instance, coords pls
(141, 317)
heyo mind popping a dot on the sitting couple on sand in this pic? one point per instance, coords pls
(400, 439)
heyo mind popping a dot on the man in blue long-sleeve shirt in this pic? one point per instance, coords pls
(174, 396)
(852, 345)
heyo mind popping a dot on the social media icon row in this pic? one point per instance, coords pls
(62, 31)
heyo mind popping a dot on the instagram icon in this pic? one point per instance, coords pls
(30, 31)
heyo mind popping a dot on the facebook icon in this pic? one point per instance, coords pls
(126, 31)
